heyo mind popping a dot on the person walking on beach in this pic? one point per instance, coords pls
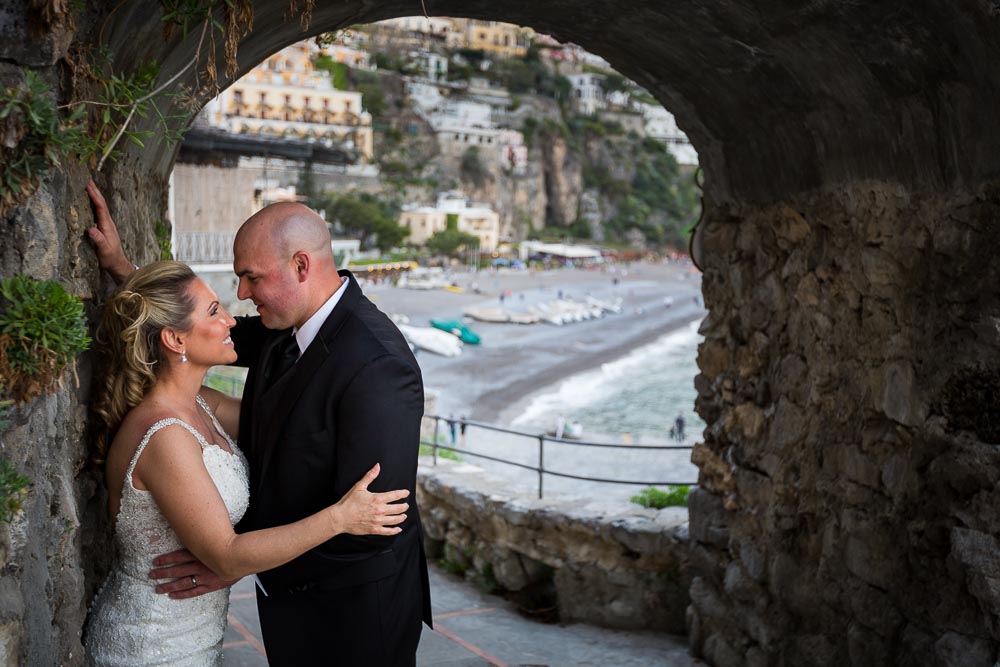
(451, 428)
(332, 389)
(679, 426)
(461, 429)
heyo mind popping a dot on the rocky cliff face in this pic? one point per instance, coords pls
(563, 180)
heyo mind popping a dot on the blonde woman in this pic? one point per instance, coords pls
(176, 476)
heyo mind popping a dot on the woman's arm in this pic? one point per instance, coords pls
(172, 469)
(226, 409)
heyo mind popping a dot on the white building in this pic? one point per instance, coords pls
(477, 219)
(587, 92)
(425, 96)
(661, 125)
(460, 125)
(432, 66)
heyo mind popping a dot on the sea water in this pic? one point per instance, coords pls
(637, 397)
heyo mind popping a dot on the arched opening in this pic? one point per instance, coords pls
(849, 224)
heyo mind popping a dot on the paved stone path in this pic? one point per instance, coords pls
(473, 629)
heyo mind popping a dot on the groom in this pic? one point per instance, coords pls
(332, 389)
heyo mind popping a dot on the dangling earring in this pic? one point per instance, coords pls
(184, 357)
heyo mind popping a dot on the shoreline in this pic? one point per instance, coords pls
(545, 381)
(491, 381)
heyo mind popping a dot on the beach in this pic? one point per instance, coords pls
(492, 382)
(518, 366)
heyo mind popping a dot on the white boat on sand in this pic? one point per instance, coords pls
(432, 340)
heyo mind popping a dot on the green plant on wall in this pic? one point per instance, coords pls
(42, 329)
(5, 404)
(34, 138)
(13, 490)
(162, 231)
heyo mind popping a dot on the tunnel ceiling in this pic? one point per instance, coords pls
(777, 97)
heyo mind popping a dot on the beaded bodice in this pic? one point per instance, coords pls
(141, 531)
(130, 624)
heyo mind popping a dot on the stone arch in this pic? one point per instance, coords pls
(849, 374)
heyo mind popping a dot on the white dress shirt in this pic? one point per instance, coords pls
(305, 334)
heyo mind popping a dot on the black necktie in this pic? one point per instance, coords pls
(284, 356)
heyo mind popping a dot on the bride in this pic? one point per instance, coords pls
(176, 477)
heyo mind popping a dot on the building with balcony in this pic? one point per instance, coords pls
(477, 219)
(285, 96)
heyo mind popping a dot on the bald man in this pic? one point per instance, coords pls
(332, 389)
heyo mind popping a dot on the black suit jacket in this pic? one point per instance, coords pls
(353, 399)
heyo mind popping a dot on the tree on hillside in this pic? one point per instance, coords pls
(448, 241)
(366, 219)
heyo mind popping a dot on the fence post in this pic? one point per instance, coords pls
(437, 422)
(541, 463)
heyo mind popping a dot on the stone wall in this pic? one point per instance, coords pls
(849, 377)
(620, 567)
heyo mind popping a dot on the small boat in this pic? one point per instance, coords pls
(487, 314)
(456, 328)
(523, 318)
(432, 340)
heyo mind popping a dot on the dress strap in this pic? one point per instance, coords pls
(163, 423)
(215, 422)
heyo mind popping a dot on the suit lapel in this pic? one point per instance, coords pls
(281, 394)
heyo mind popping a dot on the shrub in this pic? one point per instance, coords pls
(4, 405)
(13, 490)
(674, 496)
(35, 138)
(42, 329)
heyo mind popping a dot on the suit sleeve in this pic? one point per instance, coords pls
(379, 420)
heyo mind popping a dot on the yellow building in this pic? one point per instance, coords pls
(286, 96)
(478, 220)
(502, 39)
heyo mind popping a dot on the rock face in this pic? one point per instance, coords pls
(620, 567)
(849, 373)
(847, 510)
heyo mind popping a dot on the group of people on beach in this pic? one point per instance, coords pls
(307, 483)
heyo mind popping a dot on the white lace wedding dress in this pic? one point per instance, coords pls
(130, 624)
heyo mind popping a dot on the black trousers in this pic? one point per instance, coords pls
(374, 624)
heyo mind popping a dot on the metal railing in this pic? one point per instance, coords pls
(234, 385)
(204, 247)
(542, 438)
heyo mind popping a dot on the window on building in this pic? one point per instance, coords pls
(347, 106)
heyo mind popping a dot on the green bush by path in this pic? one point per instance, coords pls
(674, 496)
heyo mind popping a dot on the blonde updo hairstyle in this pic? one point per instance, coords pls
(153, 298)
